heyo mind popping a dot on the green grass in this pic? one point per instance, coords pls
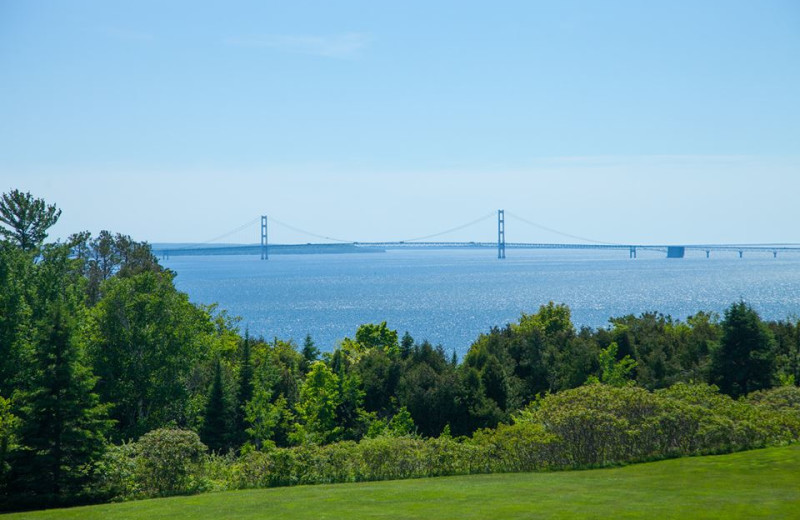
(755, 484)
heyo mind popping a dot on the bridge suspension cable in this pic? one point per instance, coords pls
(451, 230)
(233, 231)
(309, 233)
(201, 245)
(557, 232)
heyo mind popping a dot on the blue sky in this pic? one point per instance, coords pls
(643, 122)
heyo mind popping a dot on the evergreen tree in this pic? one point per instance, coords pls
(495, 382)
(406, 345)
(743, 362)
(214, 432)
(310, 353)
(320, 398)
(245, 392)
(16, 315)
(62, 421)
(27, 219)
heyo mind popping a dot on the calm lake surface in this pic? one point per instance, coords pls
(449, 297)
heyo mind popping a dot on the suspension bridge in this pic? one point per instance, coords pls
(338, 245)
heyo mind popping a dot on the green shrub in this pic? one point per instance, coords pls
(117, 478)
(168, 462)
(387, 458)
(780, 399)
(593, 425)
(444, 455)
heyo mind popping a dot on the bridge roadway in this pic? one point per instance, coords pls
(631, 248)
(670, 250)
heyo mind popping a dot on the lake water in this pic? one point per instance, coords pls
(449, 297)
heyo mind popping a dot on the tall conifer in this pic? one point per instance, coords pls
(245, 392)
(214, 432)
(63, 422)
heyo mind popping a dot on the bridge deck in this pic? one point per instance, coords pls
(353, 247)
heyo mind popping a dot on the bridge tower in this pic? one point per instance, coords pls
(264, 243)
(501, 234)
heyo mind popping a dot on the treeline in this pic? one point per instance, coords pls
(114, 385)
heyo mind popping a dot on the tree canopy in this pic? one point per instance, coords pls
(26, 218)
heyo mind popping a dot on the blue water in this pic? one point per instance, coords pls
(450, 297)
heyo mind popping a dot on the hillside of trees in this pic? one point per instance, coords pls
(113, 385)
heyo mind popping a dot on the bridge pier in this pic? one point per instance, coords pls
(632, 252)
(676, 251)
(708, 253)
(741, 253)
(774, 254)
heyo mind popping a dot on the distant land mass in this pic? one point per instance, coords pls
(188, 249)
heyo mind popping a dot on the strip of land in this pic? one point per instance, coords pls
(754, 484)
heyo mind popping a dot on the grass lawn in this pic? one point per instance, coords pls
(754, 484)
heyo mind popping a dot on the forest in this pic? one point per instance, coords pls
(114, 386)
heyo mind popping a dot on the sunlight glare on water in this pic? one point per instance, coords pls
(449, 297)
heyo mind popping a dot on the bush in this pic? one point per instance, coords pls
(593, 425)
(780, 399)
(117, 478)
(522, 446)
(168, 462)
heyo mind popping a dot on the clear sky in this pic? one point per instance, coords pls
(623, 121)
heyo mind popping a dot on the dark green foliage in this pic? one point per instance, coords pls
(666, 351)
(62, 423)
(9, 425)
(310, 353)
(287, 362)
(430, 389)
(244, 393)
(406, 344)
(350, 412)
(379, 373)
(17, 303)
(215, 432)
(743, 363)
(787, 350)
(26, 218)
(495, 382)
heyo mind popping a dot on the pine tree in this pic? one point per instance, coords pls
(744, 362)
(245, 392)
(62, 421)
(406, 345)
(214, 432)
(26, 219)
(310, 353)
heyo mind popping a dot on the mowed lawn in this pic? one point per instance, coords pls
(755, 484)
